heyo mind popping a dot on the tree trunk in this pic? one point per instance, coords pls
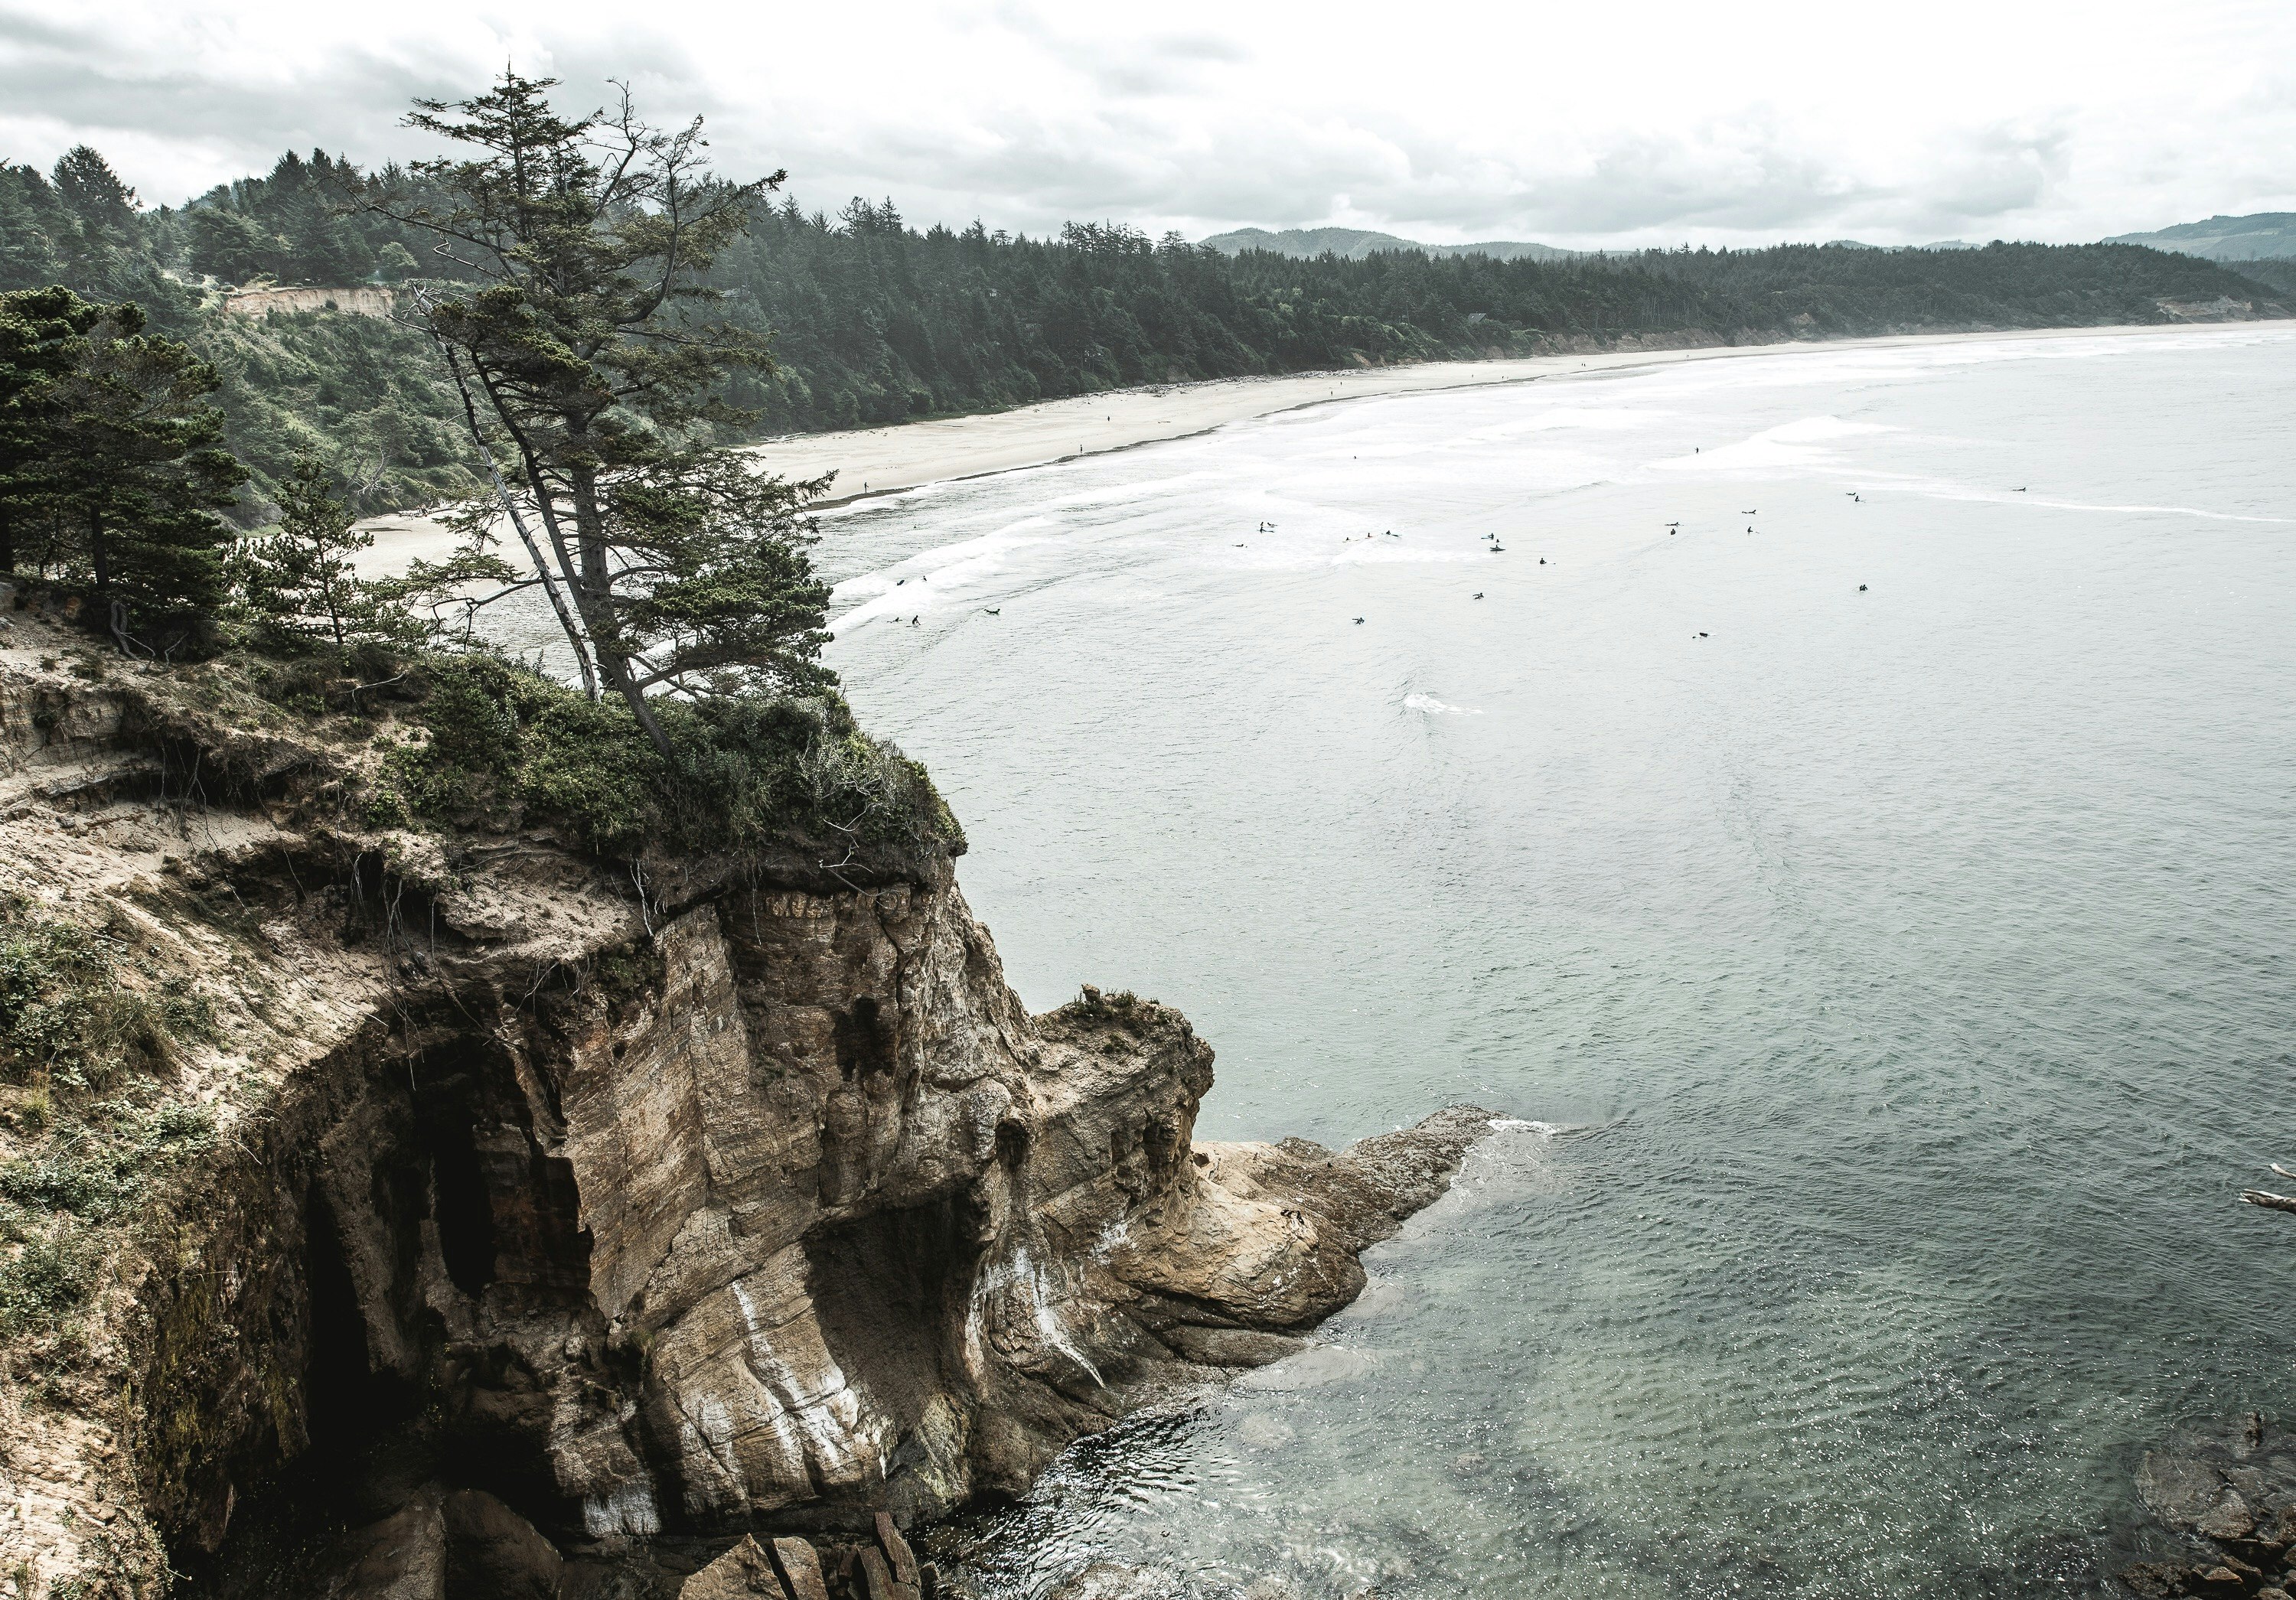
(566, 621)
(99, 556)
(597, 596)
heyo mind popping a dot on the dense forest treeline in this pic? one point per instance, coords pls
(2273, 271)
(876, 322)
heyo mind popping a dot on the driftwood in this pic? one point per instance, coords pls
(2268, 1201)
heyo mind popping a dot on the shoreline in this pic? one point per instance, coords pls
(905, 456)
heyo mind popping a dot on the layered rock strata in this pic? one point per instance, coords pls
(689, 1196)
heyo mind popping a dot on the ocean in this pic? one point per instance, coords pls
(1833, 806)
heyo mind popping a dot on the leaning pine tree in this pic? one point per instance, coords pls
(575, 323)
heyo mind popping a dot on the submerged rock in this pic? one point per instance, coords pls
(1107, 1581)
(2231, 1497)
(2178, 1488)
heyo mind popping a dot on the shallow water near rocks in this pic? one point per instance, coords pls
(1898, 976)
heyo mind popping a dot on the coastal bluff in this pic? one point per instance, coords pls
(587, 1203)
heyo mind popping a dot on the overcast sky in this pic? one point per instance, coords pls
(1658, 123)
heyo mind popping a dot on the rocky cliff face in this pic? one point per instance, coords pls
(364, 300)
(700, 1197)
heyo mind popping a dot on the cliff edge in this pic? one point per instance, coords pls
(658, 1195)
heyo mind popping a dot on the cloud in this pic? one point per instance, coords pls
(1783, 119)
(176, 126)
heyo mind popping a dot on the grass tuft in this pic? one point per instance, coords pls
(64, 1015)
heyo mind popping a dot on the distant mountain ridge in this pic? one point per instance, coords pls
(2253, 238)
(1353, 244)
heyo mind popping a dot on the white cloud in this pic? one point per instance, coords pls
(1677, 121)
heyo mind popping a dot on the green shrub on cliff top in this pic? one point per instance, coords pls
(508, 748)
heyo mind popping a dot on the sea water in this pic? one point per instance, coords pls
(1838, 806)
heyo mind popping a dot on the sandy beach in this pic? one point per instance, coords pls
(879, 461)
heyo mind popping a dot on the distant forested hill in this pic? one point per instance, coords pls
(2261, 246)
(362, 392)
(2264, 234)
(2273, 273)
(876, 322)
(1356, 243)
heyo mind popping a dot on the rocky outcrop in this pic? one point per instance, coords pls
(2229, 1497)
(704, 1195)
(2223, 308)
(879, 1567)
(363, 300)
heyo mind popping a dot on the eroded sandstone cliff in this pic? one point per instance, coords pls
(680, 1196)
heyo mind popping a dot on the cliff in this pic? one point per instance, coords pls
(363, 300)
(668, 1195)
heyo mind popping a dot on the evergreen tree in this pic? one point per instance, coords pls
(325, 250)
(583, 337)
(723, 599)
(31, 218)
(299, 585)
(136, 474)
(227, 244)
(95, 193)
(41, 335)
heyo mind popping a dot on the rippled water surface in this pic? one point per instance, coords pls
(1885, 900)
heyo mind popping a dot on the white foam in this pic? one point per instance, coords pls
(944, 573)
(1123, 494)
(1990, 496)
(1427, 705)
(1604, 420)
(1810, 428)
(1795, 444)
